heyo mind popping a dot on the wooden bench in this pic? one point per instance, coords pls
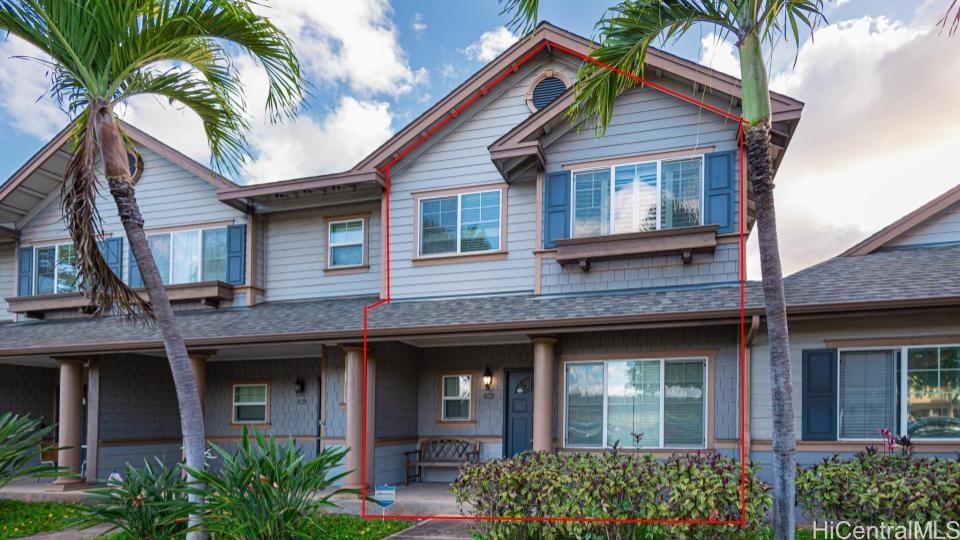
(446, 452)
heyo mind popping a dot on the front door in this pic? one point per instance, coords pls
(519, 419)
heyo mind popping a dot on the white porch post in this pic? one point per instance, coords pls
(70, 421)
(353, 390)
(543, 366)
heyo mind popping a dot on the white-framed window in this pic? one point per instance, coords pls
(190, 256)
(641, 403)
(460, 223)
(345, 240)
(912, 391)
(637, 197)
(250, 403)
(456, 398)
(55, 270)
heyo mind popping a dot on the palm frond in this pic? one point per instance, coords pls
(951, 19)
(523, 14)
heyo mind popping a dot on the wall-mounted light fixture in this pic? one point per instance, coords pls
(487, 378)
(300, 386)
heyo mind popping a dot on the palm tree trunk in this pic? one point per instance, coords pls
(114, 156)
(756, 108)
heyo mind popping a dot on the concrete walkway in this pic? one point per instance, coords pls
(72, 534)
(436, 529)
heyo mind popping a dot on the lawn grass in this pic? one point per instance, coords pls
(347, 527)
(19, 518)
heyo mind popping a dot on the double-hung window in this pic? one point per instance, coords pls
(913, 391)
(648, 196)
(190, 256)
(55, 271)
(644, 403)
(345, 243)
(456, 398)
(460, 223)
(250, 403)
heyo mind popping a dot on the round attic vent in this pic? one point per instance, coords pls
(547, 90)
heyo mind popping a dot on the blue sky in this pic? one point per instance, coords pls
(872, 145)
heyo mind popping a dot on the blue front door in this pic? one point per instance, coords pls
(519, 432)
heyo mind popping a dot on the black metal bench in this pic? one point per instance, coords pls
(446, 452)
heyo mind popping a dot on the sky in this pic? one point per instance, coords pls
(878, 137)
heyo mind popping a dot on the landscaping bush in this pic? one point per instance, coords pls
(148, 503)
(266, 490)
(874, 488)
(614, 485)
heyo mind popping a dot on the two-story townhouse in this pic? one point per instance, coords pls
(549, 289)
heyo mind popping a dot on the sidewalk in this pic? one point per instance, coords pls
(436, 529)
(72, 534)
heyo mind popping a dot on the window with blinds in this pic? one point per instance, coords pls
(868, 393)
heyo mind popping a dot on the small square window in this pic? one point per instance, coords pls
(456, 398)
(250, 403)
(345, 240)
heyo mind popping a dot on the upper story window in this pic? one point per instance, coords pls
(648, 196)
(461, 223)
(648, 403)
(190, 256)
(346, 243)
(55, 270)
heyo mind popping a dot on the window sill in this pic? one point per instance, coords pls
(683, 241)
(35, 306)
(257, 425)
(335, 271)
(456, 423)
(460, 258)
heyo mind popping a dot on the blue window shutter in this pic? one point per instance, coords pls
(556, 215)
(236, 254)
(112, 250)
(720, 190)
(25, 271)
(819, 398)
(135, 279)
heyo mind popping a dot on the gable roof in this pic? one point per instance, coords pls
(899, 227)
(33, 182)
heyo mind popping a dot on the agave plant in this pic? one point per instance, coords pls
(148, 503)
(268, 490)
(21, 443)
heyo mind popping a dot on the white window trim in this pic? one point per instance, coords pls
(904, 393)
(234, 404)
(612, 170)
(170, 233)
(459, 197)
(56, 266)
(662, 362)
(444, 399)
(331, 245)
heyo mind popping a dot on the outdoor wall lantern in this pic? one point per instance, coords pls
(299, 386)
(487, 378)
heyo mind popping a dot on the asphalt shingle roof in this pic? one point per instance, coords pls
(903, 275)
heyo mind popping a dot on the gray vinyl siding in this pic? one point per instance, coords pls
(721, 340)
(8, 277)
(28, 390)
(645, 121)
(168, 196)
(943, 228)
(137, 399)
(458, 156)
(813, 335)
(296, 249)
(397, 391)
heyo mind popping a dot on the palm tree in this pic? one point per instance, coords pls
(625, 33)
(951, 19)
(101, 53)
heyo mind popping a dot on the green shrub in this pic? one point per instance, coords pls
(21, 443)
(266, 490)
(610, 485)
(149, 503)
(876, 488)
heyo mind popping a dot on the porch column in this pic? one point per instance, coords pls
(353, 395)
(70, 421)
(93, 419)
(543, 366)
(198, 363)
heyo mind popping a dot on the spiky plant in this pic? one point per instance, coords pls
(22, 441)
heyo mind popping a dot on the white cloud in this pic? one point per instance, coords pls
(877, 137)
(719, 54)
(352, 42)
(450, 71)
(490, 44)
(24, 88)
(417, 24)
